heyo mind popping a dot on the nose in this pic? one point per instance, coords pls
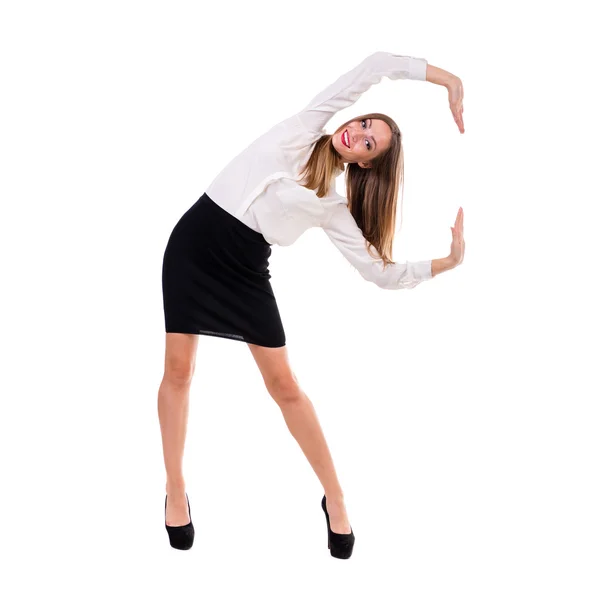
(360, 135)
(361, 131)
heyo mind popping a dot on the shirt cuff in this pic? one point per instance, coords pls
(417, 68)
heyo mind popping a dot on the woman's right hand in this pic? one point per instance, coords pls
(457, 250)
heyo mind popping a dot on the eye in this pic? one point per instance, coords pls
(367, 142)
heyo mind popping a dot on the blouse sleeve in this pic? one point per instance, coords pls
(347, 89)
(342, 230)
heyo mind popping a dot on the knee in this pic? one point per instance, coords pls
(285, 389)
(179, 372)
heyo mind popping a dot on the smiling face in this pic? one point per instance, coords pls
(362, 140)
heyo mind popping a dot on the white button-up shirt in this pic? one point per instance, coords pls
(260, 188)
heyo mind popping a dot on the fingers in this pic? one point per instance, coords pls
(459, 216)
(458, 223)
(457, 113)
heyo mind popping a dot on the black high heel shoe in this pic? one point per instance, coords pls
(340, 544)
(180, 536)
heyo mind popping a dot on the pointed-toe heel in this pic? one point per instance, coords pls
(181, 537)
(340, 545)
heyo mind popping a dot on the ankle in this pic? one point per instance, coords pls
(335, 498)
(175, 487)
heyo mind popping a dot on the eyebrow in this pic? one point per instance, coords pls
(371, 125)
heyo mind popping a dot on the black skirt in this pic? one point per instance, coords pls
(215, 279)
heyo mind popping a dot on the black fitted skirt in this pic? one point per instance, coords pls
(215, 279)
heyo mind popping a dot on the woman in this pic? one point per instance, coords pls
(215, 269)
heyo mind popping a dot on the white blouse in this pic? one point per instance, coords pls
(259, 186)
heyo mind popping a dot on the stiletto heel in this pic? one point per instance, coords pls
(181, 537)
(340, 545)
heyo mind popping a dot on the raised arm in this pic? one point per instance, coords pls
(347, 89)
(346, 235)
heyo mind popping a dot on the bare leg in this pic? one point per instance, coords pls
(173, 408)
(302, 421)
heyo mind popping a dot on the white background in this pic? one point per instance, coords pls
(462, 415)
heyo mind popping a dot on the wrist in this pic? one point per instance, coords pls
(439, 265)
(439, 76)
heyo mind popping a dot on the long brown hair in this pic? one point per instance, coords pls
(372, 193)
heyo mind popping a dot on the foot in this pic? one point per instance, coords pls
(338, 518)
(177, 508)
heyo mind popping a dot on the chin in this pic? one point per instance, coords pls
(340, 152)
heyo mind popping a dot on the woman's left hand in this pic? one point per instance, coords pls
(455, 98)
